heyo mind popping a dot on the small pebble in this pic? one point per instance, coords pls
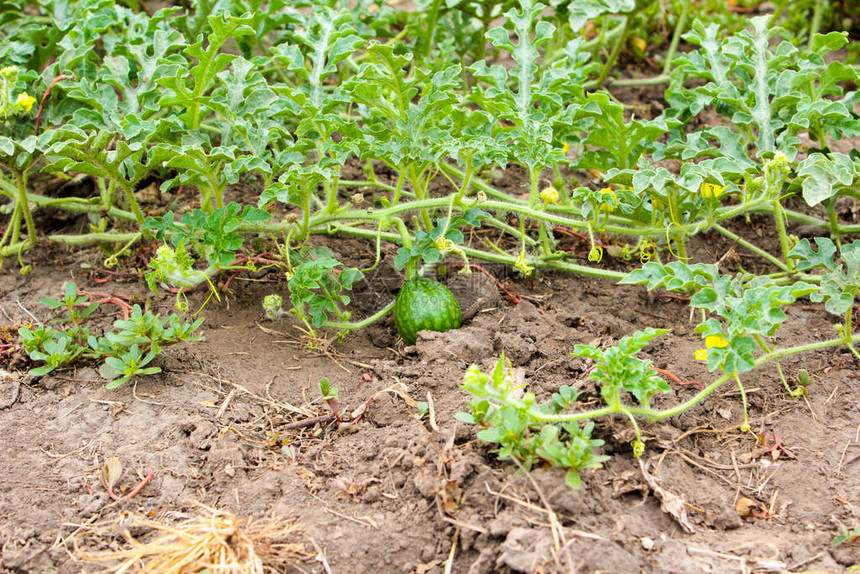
(647, 543)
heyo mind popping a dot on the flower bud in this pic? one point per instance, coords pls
(272, 306)
(776, 170)
(549, 195)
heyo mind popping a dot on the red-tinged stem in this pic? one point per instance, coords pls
(511, 294)
(108, 298)
(675, 378)
(111, 275)
(308, 422)
(45, 97)
(137, 488)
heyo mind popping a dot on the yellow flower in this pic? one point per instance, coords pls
(711, 190)
(25, 101)
(549, 195)
(710, 341)
(521, 264)
(565, 148)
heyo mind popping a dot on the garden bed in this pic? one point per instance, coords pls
(396, 493)
(647, 217)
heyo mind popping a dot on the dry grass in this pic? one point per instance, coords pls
(213, 539)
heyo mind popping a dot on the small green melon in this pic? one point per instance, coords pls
(425, 305)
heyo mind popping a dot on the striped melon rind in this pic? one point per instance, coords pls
(425, 305)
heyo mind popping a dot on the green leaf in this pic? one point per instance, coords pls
(465, 418)
(7, 147)
(769, 91)
(824, 176)
(492, 434)
(328, 37)
(810, 259)
(581, 11)
(823, 43)
(117, 382)
(209, 62)
(573, 478)
(610, 140)
(349, 276)
(529, 97)
(404, 254)
(841, 281)
(43, 370)
(651, 274)
(616, 368)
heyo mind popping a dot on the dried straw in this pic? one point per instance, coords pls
(214, 539)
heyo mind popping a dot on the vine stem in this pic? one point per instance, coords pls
(746, 424)
(555, 216)
(779, 218)
(610, 61)
(782, 378)
(845, 331)
(721, 214)
(21, 181)
(78, 205)
(90, 238)
(493, 256)
(431, 27)
(377, 184)
(676, 37)
(660, 414)
(45, 98)
(356, 325)
(815, 25)
(13, 249)
(634, 82)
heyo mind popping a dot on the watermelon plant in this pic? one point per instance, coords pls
(263, 126)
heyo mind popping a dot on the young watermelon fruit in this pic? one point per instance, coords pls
(425, 305)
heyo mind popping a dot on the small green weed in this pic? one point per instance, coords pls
(123, 352)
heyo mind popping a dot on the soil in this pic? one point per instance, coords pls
(396, 493)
